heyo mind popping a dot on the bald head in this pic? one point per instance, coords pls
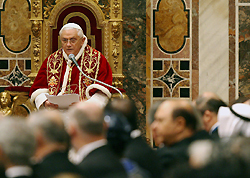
(182, 108)
(88, 116)
(174, 120)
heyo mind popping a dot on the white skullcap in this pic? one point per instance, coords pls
(72, 25)
(75, 26)
(231, 125)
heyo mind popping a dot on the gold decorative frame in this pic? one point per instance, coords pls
(109, 18)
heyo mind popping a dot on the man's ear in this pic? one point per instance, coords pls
(207, 116)
(180, 124)
(71, 129)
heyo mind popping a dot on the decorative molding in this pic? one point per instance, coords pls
(36, 28)
(116, 46)
(116, 8)
(86, 3)
(118, 81)
(37, 52)
(105, 8)
(36, 7)
(16, 77)
(106, 41)
(48, 7)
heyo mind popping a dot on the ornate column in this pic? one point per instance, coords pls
(115, 55)
(36, 36)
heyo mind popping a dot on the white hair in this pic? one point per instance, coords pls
(17, 140)
(73, 26)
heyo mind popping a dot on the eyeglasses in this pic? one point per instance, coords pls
(71, 40)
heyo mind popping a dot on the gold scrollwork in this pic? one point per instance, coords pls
(116, 29)
(116, 8)
(36, 52)
(117, 81)
(36, 28)
(115, 35)
(105, 8)
(48, 7)
(36, 7)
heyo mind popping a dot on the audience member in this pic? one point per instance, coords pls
(52, 144)
(208, 104)
(134, 147)
(234, 120)
(88, 137)
(17, 146)
(176, 125)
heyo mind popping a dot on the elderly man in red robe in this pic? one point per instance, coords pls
(58, 75)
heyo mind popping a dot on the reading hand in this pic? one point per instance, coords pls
(48, 104)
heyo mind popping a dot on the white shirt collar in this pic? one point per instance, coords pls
(18, 171)
(77, 157)
(213, 127)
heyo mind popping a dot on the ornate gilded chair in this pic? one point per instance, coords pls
(101, 22)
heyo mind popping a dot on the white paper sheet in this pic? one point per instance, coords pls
(63, 101)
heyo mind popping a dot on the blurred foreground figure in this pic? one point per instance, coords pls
(176, 125)
(52, 145)
(88, 138)
(126, 139)
(17, 146)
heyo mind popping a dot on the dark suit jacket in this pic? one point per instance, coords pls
(55, 164)
(178, 153)
(102, 163)
(2, 172)
(140, 152)
(215, 134)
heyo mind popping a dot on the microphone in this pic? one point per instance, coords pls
(72, 58)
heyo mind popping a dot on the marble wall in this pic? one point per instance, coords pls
(15, 64)
(214, 47)
(134, 55)
(243, 46)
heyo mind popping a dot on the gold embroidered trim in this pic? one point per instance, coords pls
(54, 66)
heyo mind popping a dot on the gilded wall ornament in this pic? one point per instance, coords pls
(36, 52)
(36, 7)
(117, 81)
(105, 8)
(116, 29)
(115, 35)
(48, 7)
(36, 28)
(116, 8)
(7, 103)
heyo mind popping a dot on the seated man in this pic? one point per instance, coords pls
(90, 151)
(51, 153)
(176, 125)
(135, 148)
(208, 104)
(17, 146)
(58, 75)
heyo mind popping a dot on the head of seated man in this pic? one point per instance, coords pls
(174, 120)
(72, 39)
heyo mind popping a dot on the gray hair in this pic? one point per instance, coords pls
(17, 140)
(88, 121)
(51, 125)
(73, 26)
